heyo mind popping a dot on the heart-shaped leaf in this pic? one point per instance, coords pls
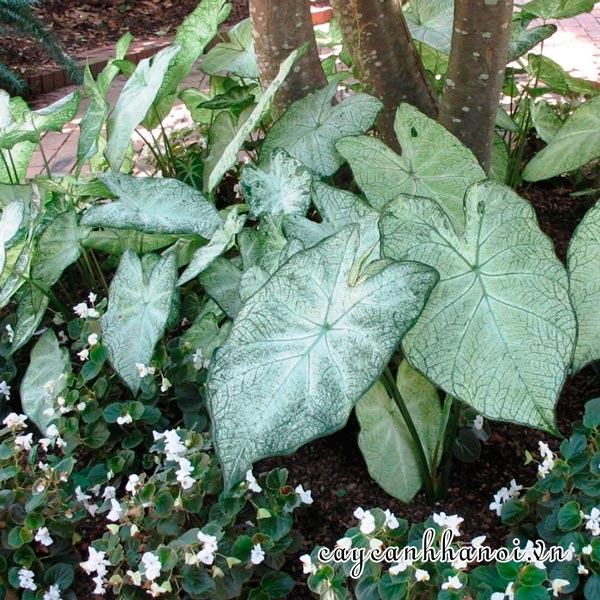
(430, 21)
(154, 205)
(10, 221)
(310, 127)
(434, 164)
(498, 331)
(557, 9)
(140, 299)
(306, 347)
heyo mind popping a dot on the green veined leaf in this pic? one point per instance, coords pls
(154, 205)
(546, 122)
(583, 264)
(500, 311)
(140, 299)
(433, 164)
(10, 221)
(282, 188)
(557, 9)
(575, 144)
(235, 56)
(118, 240)
(499, 166)
(306, 347)
(221, 281)
(504, 120)
(430, 21)
(31, 308)
(192, 36)
(44, 380)
(557, 79)
(230, 153)
(133, 104)
(522, 39)
(221, 241)
(384, 439)
(310, 128)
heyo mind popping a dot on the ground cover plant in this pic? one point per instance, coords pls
(306, 252)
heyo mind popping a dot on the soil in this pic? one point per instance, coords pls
(84, 26)
(333, 467)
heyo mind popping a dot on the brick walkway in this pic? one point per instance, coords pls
(575, 46)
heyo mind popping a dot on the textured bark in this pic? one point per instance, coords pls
(280, 27)
(478, 58)
(385, 57)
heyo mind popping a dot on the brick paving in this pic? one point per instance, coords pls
(575, 46)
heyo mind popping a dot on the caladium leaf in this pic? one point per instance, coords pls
(44, 380)
(501, 309)
(524, 39)
(430, 21)
(310, 127)
(222, 240)
(546, 122)
(135, 101)
(10, 221)
(575, 144)
(140, 299)
(583, 263)
(558, 80)
(306, 347)
(154, 205)
(383, 432)
(235, 56)
(221, 280)
(434, 164)
(557, 9)
(281, 188)
(230, 153)
(262, 246)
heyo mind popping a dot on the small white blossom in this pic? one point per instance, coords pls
(308, 568)
(152, 566)
(478, 423)
(451, 522)
(92, 339)
(24, 441)
(251, 481)
(10, 333)
(390, 520)
(558, 585)
(209, 547)
(453, 583)
(26, 581)
(421, 575)
(133, 482)
(198, 360)
(257, 555)
(548, 463)
(158, 590)
(143, 370)
(593, 521)
(165, 385)
(83, 311)
(587, 549)
(53, 593)
(367, 520)
(581, 570)
(43, 537)
(305, 495)
(400, 566)
(477, 542)
(135, 576)
(184, 474)
(124, 419)
(5, 390)
(344, 543)
(116, 511)
(506, 595)
(83, 354)
(15, 422)
(174, 447)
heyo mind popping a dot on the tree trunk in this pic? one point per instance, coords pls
(478, 58)
(280, 27)
(385, 57)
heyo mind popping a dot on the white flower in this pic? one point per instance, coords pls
(80, 496)
(96, 562)
(165, 385)
(92, 297)
(83, 311)
(151, 565)
(581, 570)
(390, 520)
(184, 474)
(10, 333)
(198, 360)
(593, 521)
(174, 447)
(257, 555)
(400, 566)
(143, 370)
(529, 555)
(453, 583)
(421, 575)
(251, 481)
(158, 590)
(477, 542)
(124, 419)
(452, 522)
(100, 583)
(52, 431)
(305, 495)
(53, 593)
(367, 520)
(345, 543)
(506, 595)
(587, 549)
(24, 441)
(135, 576)
(43, 537)
(133, 483)
(548, 463)
(515, 489)
(109, 492)
(5, 390)
(478, 423)
(15, 422)
(209, 546)
(26, 580)
(80, 406)
(459, 564)
(558, 585)
(375, 543)
(308, 568)
(116, 511)
(83, 354)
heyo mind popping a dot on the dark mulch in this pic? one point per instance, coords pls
(84, 26)
(333, 467)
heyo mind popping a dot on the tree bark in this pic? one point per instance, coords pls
(480, 41)
(279, 28)
(385, 57)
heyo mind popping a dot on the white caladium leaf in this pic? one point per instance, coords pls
(10, 221)
(310, 128)
(140, 299)
(545, 120)
(306, 347)
(283, 187)
(222, 240)
(44, 380)
(498, 331)
(584, 266)
(135, 101)
(262, 245)
(154, 205)
(221, 281)
(575, 144)
(383, 432)
(338, 208)
(430, 21)
(434, 164)
(557, 9)
(230, 153)
(236, 56)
